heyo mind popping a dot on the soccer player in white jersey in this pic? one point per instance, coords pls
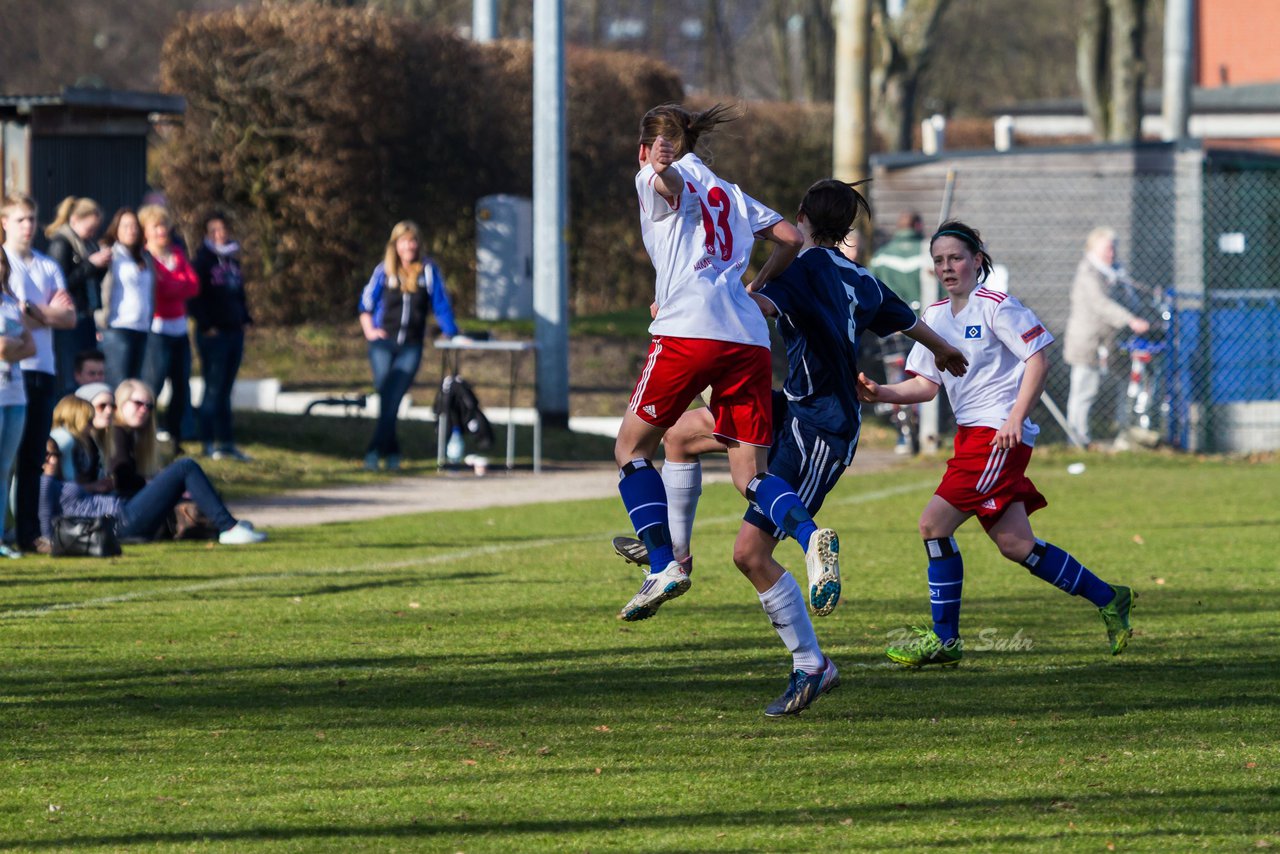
(699, 230)
(986, 477)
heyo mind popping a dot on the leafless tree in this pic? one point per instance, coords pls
(1111, 67)
(908, 43)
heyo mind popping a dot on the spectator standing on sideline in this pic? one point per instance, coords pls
(168, 347)
(901, 261)
(15, 345)
(128, 298)
(36, 282)
(221, 313)
(1092, 322)
(403, 290)
(83, 264)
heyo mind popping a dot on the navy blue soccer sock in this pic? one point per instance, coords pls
(645, 498)
(946, 582)
(1060, 569)
(784, 508)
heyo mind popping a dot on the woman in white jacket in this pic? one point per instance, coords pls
(128, 298)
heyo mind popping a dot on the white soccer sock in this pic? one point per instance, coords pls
(683, 482)
(784, 604)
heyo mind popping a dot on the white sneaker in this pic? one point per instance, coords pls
(242, 534)
(658, 587)
(823, 562)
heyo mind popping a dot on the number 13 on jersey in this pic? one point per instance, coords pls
(715, 223)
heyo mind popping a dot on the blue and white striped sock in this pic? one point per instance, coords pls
(1052, 564)
(777, 500)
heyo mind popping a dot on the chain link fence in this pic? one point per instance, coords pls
(1198, 239)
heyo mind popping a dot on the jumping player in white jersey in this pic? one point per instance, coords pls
(699, 230)
(1005, 344)
(823, 302)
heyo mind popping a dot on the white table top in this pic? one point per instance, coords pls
(469, 344)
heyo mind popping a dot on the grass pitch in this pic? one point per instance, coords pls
(458, 682)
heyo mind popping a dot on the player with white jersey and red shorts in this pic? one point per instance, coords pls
(699, 231)
(986, 477)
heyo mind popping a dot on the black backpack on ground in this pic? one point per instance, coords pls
(458, 399)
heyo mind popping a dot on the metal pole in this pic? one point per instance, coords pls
(550, 212)
(1177, 69)
(484, 20)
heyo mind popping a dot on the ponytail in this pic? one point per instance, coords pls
(682, 128)
(72, 207)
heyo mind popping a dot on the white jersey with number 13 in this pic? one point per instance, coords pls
(700, 248)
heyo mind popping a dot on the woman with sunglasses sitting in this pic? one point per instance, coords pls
(142, 515)
(132, 460)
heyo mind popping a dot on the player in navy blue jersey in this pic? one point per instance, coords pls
(822, 302)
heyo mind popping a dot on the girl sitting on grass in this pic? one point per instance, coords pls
(142, 515)
(73, 432)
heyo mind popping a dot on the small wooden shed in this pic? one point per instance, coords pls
(82, 142)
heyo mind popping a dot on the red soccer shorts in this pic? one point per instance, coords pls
(984, 480)
(678, 369)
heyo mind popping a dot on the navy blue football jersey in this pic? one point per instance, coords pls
(825, 302)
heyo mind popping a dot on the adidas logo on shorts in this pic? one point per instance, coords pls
(650, 411)
(989, 504)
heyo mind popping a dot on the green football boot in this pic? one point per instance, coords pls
(1115, 617)
(926, 649)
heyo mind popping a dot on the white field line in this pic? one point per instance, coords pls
(447, 557)
(241, 580)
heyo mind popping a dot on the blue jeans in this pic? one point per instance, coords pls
(394, 367)
(35, 433)
(12, 419)
(169, 358)
(69, 343)
(220, 357)
(143, 514)
(124, 350)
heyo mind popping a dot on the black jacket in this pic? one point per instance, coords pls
(221, 303)
(84, 281)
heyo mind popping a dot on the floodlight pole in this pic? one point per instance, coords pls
(550, 213)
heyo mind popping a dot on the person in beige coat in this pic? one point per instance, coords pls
(1094, 320)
